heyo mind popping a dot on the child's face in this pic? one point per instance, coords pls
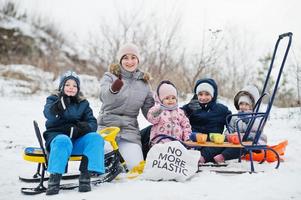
(129, 62)
(244, 106)
(70, 88)
(204, 97)
(169, 101)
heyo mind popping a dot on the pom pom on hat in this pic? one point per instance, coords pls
(245, 99)
(205, 87)
(128, 49)
(69, 75)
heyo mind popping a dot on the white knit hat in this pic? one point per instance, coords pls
(205, 87)
(245, 99)
(128, 49)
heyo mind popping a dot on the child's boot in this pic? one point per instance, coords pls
(84, 182)
(219, 158)
(54, 184)
(84, 178)
(202, 160)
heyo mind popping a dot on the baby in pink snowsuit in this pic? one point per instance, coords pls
(166, 117)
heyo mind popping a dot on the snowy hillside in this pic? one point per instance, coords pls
(18, 80)
(18, 109)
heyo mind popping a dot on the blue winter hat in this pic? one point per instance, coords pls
(69, 75)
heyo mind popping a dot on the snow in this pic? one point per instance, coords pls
(16, 133)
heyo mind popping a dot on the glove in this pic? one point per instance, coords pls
(243, 117)
(116, 85)
(194, 104)
(192, 136)
(157, 111)
(61, 104)
(80, 129)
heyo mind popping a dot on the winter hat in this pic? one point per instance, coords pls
(205, 87)
(128, 49)
(69, 75)
(166, 90)
(251, 91)
(245, 99)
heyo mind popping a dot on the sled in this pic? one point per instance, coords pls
(268, 155)
(268, 151)
(114, 163)
(251, 148)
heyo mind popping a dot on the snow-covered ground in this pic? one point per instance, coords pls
(16, 132)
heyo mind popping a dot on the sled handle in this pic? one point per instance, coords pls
(288, 34)
(109, 134)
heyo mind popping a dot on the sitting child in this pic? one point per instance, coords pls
(70, 129)
(244, 102)
(205, 114)
(167, 118)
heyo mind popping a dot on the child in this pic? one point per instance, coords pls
(244, 102)
(205, 114)
(167, 118)
(70, 129)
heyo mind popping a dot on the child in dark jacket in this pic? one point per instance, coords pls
(70, 129)
(206, 115)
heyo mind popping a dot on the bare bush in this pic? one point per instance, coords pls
(159, 43)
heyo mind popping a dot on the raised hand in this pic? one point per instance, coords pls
(61, 104)
(116, 85)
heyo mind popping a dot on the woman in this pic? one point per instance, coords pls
(124, 90)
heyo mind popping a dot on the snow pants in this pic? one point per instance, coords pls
(90, 145)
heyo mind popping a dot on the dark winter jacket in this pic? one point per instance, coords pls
(76, 112)
(209, 118)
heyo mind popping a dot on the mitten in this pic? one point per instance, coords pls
(193, 136)
(194, 103)
(74, 99)
(116, 85)
(156, 111)
(61, 104)
(80, 129)
(243, 117)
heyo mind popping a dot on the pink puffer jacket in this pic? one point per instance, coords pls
(170, 122)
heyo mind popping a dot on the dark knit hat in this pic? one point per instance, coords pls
(69, 75)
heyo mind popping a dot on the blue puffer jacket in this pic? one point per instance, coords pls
(76, 112)
(209, 118)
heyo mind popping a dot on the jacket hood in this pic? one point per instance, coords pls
(118, 71)
(80, 96)
(209, 81)
(249, 90)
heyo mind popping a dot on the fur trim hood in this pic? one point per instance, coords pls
(80, 96)
(250, 91)
(117, 70)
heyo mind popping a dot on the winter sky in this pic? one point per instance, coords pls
(262, 19)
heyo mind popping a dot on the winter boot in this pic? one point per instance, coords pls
(54, 184)
(84, 182)
(202, 160)
(219, 159)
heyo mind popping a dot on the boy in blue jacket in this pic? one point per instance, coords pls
(206, 115)
(71, 129)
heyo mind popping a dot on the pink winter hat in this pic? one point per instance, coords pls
(166, 90)
(128, 49)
